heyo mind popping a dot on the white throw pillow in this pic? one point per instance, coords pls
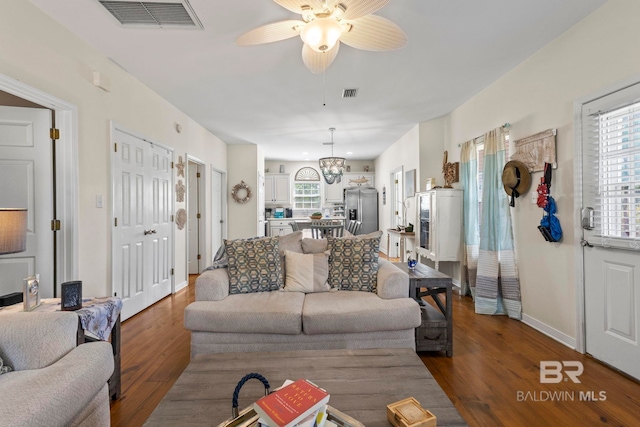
(306, 273)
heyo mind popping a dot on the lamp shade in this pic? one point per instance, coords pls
(321, 34)
(13, 231)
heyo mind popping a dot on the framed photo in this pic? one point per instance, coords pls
(409, 183)
(31, 291)
(71, 297)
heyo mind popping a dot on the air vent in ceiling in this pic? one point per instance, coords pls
(349, 93)
(155, 14)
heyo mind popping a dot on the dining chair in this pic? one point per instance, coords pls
(323, 228)
(294, 226)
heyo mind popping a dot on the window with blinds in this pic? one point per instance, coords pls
(616, 150)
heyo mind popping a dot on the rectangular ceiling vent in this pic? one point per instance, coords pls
(156, 14)
(349, 93)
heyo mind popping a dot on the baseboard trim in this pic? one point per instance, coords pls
(181, 286)
(561, 337)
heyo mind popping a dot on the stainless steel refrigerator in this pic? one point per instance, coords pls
(361, 204)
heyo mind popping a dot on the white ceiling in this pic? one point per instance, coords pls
(265, 95)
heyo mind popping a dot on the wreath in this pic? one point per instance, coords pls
(237, 189)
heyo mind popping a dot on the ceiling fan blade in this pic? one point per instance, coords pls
(317, 62)
(358, 8)
(296, 5)
(273, 32)
(374, 32)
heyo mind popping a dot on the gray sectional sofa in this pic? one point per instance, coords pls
(277, 321)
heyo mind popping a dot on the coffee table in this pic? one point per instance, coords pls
(361, 383)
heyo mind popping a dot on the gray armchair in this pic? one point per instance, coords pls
(54, 382)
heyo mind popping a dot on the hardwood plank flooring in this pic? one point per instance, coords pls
(494, 358)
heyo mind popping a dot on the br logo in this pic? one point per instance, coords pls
(552, 371)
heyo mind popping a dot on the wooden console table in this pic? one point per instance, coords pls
(425, 281)
(403, 235)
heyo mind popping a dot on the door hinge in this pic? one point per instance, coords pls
(116, 222)
(396, 212)
(396, 181)
(171, 218)
(115, 147)
(197, 174)
(55, 225)
(171, 165)
(199, 257)
(198, 216)
(54, 133)
(172, 271)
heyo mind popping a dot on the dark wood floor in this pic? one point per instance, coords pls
(493, 377)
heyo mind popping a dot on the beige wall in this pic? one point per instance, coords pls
(44, 55)
(245, 160)
(539, 94)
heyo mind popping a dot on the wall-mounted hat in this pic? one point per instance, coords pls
(516, 179)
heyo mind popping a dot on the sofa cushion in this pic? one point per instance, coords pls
(306, 273)
(263, 312)
(254, 265)
(314, 246)
(353, 263)
(348, 312)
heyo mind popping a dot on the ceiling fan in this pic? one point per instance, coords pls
(326, 23)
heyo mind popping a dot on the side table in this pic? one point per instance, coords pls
(434, 283)
(98, 320)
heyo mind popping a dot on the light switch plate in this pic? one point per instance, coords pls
(98, 200)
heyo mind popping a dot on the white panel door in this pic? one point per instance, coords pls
(142, 242)
(611, 228)
(160, 223)
(26, 182)
(193, 223)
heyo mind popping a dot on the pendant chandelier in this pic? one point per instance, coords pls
(332, 167)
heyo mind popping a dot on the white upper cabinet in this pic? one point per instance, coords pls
(332, 192)
(277, 188)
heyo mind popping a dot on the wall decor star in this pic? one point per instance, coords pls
(180, 166)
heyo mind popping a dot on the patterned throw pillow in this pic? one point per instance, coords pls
(254, 265)
(353, 263)
(4, 368)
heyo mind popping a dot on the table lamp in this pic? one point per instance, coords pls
(13, 231)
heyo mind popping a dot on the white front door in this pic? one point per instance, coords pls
(611, 228)
(142, 243)
(26, 182)
(216, 210)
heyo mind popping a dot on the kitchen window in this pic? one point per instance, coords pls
(306, 195)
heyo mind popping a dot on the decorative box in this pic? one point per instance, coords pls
(409, 413)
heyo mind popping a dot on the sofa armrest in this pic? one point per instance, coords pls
(392, 282)
(36, 340)
(212, 285)
(56, 394)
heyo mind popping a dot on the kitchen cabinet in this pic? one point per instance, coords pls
(277, 188)
(333, 192)
(358, 179)
(439, 225)
(279, 228)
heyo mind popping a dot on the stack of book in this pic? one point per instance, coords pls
(296, 404)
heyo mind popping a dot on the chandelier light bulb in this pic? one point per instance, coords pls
(321, 34)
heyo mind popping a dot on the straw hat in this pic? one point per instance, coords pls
(516, 176)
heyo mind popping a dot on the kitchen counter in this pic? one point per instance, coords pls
(306, 218)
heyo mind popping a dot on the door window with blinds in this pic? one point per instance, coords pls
(611, 170)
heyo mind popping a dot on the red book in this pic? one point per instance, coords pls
(288, 405)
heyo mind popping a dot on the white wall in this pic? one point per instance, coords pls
(41, 53)
(406, 153)
(245, 160)
(537, 95)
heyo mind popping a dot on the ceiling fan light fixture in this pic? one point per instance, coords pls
(321, 34)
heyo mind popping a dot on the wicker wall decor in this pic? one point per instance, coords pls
(238, 190)
(181, 218)
(180, 191)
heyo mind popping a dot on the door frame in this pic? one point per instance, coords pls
(66, 115)
(581, 330)
(202, 207)
(223, 207)
(113, 126)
